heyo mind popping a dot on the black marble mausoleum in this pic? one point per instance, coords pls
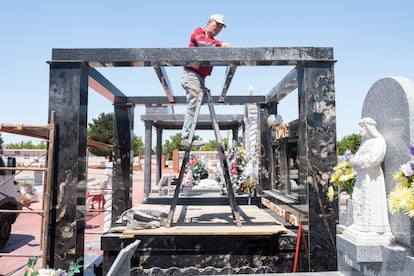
(296, 158)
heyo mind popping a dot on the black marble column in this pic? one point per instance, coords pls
(265, 148)
(68, 97)
(235, 133)
(159, 155)
(147, 159)
(123, 158)
(284, 167)
(272, 110)
(317, 158)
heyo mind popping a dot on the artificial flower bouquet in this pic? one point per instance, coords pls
(249, 186)
(188, 182)
(402, 197)
(237, 164)
(343, 179)
(32, 271)
(198, 167)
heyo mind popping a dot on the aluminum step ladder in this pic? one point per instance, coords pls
(223, 160)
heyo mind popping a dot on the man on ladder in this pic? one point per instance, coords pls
(193, 82)
(193, 77)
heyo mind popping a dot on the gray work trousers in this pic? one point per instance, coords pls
(193, 85)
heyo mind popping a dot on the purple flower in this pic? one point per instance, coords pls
(412, 166)
(412, 147)
(348, 155)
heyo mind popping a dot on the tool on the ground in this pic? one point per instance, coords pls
(223, 160)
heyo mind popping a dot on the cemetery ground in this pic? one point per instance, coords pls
(25, 238)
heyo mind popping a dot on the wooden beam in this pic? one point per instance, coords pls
(40, 132)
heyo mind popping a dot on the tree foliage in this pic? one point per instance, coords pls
(138, 146)
(175, 143)
(27, 145)
(212, 145)
(101, 130)
(350, 142)
(172, 144)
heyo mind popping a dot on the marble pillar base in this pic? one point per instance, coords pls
(354, 252)
(370, 259)
(367, 238)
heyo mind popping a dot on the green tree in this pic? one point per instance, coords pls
(350, 142)
(101, 130)
(27, 145)
(138, 146)
(172, 144)
(175, 143)
(212, 145)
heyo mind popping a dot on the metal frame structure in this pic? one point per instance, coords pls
(72, 72)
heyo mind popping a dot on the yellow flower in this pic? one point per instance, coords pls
(409, 209)
(405, 184)
(398, 175)
(341, 166)
(331, 193)
(399, 198)
(402, 197)
(346, 177)
(335, 178)
(349, 171)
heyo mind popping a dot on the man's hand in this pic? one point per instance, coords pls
(225, 44)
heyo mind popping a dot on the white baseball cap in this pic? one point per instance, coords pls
(218, 18)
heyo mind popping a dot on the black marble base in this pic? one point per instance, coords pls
(197, 251)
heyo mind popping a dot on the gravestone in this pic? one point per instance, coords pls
(390, 102)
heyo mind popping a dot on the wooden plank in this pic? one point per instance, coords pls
(41, 132)
(289, 217)
(209, 220)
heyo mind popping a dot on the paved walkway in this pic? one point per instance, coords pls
(25, 237)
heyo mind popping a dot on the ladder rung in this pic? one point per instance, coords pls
(22, 169)
(39, 255)
(23, 211)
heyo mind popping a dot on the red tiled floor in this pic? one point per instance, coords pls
(24, 240)
(25, 237)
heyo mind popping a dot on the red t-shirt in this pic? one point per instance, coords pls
(201, 38)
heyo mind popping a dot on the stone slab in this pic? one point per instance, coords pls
(370, 260)
(214, 56)
(356, 253)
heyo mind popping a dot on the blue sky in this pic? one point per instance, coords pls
(371, 40)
